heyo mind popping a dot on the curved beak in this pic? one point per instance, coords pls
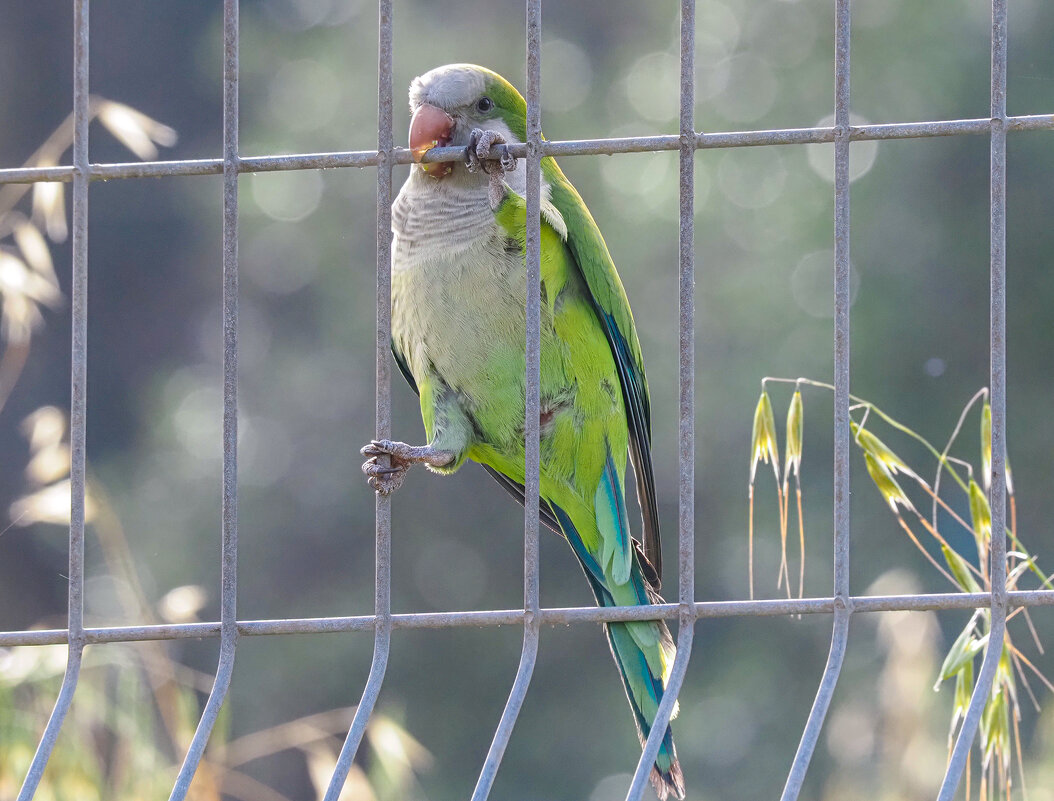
(430, 127)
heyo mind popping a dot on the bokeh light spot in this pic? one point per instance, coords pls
(750, 90)
(862, 155)
(571, 76)
(287, 196)
(304, 95)
(653, 86)
(752, 179)
(812, 284)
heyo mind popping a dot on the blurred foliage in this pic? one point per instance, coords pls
(763, 228)
(137, 709)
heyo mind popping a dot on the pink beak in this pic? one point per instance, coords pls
(430, 127)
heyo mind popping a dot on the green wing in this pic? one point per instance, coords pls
(612, 307)
(514, 488)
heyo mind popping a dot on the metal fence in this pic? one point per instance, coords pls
(841, 604)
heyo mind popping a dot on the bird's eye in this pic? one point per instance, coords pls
(484, 104)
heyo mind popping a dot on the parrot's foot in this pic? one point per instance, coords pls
(387, 479)
(478, 153)
(489, 148)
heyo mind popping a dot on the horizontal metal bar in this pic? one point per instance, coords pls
(574, 147)
(551, 616)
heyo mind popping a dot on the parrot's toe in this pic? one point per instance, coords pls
(471, 159)
(382, 478)
(487, 151)
(386, 479)
(386, 485)
(385, 447)
(371, 468)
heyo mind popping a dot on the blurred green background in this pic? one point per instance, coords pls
(763, 249)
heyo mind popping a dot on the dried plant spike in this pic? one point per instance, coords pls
(49, 208)
(16, 277)
(795, 434)
(764, 445)
(135, 130)
(22, 291)
(49, 505)
(34, 249)
(44, 427)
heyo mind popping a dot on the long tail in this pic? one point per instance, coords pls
(643, 650)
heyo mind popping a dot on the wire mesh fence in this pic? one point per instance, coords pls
(841, 604)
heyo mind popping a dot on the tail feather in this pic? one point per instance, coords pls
(632, 644)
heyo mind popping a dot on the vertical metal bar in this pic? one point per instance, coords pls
(78, 402)
(532, 409)
(229, 532)
(842, 607)
(686, 423)
(997, 571)
(383, 406)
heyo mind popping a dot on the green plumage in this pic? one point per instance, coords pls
(458, 322)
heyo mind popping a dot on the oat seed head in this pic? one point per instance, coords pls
(49, 208)
(133, 129)
(49, 505)
(764, 445)
(980, 513)
(887, 485)
(880, 451)
(34, 249)
(23, 290)
(795, 435)
(986, 453)
(986, 445)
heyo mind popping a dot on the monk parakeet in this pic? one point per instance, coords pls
(458, 323)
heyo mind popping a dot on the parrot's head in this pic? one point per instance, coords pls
(448, 102)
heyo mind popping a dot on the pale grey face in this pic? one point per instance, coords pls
(461, 92)
(449, 87)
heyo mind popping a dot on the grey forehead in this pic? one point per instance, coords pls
(446, 87)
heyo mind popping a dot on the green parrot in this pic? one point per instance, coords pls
(458, 323)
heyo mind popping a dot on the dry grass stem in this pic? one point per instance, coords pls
(1016, 652)
(750, 542)
(801, 544)
(783, 576)
(929, 557)
(292, 734)
(1024, 681)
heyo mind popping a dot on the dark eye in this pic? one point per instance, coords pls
(484, 104)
